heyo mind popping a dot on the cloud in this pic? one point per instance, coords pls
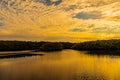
(85, 15)
(78, 30)
(70, 20)
(1, 21)
(49, 2)
(2, 24)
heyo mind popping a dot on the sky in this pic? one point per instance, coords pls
(59, 20)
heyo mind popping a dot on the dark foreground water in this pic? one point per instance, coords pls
(62, 65)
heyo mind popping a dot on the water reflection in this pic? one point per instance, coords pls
(62, 65)
(85, 76)
(105, 52)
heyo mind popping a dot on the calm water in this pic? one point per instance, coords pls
(63, 65)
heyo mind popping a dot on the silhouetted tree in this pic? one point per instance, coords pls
(51, 47)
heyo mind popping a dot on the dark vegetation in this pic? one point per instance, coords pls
(54, 46)
(19, 45)
(67, 45)
(37, 46)
(98, 45)
(51, 47)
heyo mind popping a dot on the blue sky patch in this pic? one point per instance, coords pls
(78, 30)
(2, 24)
(49, 2)
(84, 15)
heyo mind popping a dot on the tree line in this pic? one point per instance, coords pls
(53, 46)
(98, 45)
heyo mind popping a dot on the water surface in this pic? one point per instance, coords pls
(61, 65)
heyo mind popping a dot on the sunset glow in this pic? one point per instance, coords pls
(59, 20)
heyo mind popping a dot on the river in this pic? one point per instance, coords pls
(61, 65)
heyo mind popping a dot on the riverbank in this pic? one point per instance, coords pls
(18, 54)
